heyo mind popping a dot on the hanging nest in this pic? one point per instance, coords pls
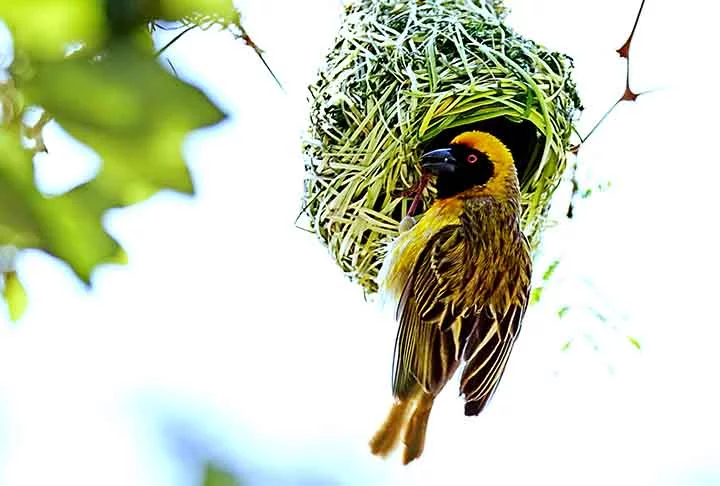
(405, 77)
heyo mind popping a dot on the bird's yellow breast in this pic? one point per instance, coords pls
(405, 249)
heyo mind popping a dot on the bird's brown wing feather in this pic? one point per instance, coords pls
(428, 347)
(488, 347)
(435, 331)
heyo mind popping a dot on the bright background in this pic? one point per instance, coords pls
(232, 334)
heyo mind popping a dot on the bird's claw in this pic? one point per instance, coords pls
(406, 224)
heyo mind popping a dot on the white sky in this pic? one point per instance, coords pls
(232, 333)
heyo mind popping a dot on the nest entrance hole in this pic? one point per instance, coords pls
(522, 138)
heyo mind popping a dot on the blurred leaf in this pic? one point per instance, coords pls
(67, 226)
(112, 95)
(634, 342)
(215, 476)
(566, 346)
(176, 9)
(45, 28)
(135, 115)
(132, 112)
(599, 315)
(550, 270)
(15, 296)
(11, 102)
(17, 192)
(562, 311)
(535, 295)
(126, 15)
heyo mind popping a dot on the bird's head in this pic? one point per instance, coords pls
(474, 164)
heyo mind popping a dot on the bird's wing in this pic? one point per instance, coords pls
(488, 347)
(427, 350)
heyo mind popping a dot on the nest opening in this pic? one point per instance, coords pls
(521, 137)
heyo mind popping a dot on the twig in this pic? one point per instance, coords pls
(627, 95)
(174, 39)
(244, 36)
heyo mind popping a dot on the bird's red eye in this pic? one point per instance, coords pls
(472, 158)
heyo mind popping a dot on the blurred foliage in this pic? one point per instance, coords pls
(91, 66)
(538, 289)
(214, 476)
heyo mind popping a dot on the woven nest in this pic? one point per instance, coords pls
(405, 77)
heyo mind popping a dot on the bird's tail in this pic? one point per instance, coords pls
(408, 417)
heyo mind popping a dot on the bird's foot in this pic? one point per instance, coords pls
(407, 224)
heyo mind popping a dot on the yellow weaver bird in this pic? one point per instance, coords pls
(460, 279)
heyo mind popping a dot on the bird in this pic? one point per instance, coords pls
(459, 279)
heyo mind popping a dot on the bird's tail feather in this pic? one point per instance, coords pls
(417, 425)
(407, 418)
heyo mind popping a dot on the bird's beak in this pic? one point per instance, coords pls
(438, 161)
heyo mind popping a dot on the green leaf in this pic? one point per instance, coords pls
(176, 9)
(562, 311)
(535, 295)
(111, 95)
(45, 28)
(566, 346)
(15, 296)
(215, 476)
(18, 195)
(634, 342)
(550, 270)
(133, 113)
(125, 16)
(67, 226)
